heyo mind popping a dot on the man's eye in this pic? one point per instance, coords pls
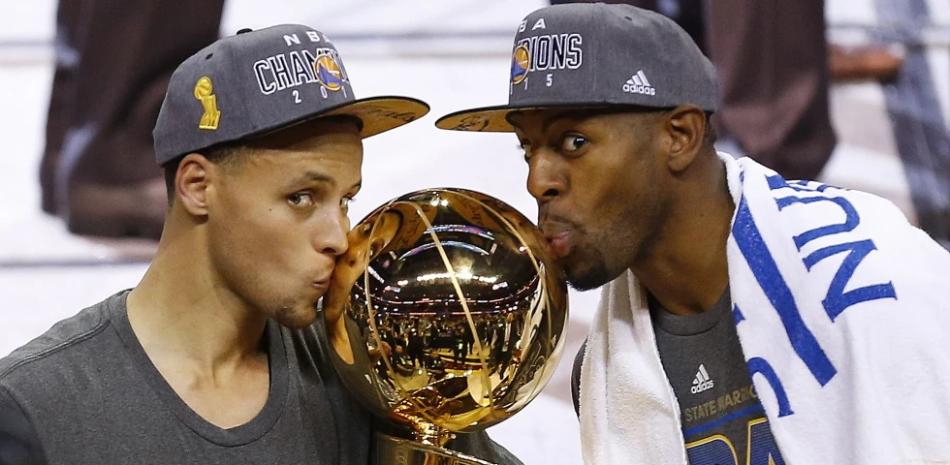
(573, 142)
(345, 203)
(300, 199)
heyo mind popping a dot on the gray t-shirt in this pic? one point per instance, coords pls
(719, 410)
(85, 392)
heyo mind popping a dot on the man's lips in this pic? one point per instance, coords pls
(559, 236)
(321, 284)
(560, 243)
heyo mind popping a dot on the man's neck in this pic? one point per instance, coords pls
(204, 340)
(182, 308)
(685, 268)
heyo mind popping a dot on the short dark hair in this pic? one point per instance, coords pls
(227, 153)
(711, 135)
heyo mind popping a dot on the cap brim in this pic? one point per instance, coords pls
(380, 114)
(495, 119)
(484, 119)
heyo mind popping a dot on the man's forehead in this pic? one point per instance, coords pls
(308, 131)
(545, 117)
(316, 176)
(305, 162)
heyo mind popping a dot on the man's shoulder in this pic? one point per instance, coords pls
(65, 345)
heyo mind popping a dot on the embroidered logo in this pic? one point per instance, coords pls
(702, 382)
(638, 84)
(204, 93)
(328, 73)
(520, 64)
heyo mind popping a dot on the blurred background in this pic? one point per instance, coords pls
(876, 82)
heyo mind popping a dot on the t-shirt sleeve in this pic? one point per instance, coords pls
(19, 443)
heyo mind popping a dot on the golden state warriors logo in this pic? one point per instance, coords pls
(520, 63)
(328, 73)
(204, 93)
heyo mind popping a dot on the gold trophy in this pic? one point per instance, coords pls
(446, 315)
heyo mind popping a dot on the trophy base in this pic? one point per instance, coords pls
(396, 451)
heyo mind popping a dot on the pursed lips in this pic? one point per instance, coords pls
(558, 235)
(322, 283)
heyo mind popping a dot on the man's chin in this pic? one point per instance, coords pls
(589, 278)
(296, 318)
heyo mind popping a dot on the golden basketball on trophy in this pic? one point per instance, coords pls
(446, 315)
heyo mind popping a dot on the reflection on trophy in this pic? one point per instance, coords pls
(446, 315)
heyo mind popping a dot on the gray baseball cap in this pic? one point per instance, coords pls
(597, 55)
(260, 81)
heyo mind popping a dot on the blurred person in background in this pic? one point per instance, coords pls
(113, 61)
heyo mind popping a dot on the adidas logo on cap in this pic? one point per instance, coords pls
(638, 84)
(702, 382)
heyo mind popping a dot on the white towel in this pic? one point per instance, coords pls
(843, 313)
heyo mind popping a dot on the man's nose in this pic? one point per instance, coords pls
(330, 237)
(545, 177)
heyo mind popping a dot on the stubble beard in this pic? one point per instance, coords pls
(599, 260)
(589, 270)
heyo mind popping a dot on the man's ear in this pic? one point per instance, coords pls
(686, 126)
(193, 181)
